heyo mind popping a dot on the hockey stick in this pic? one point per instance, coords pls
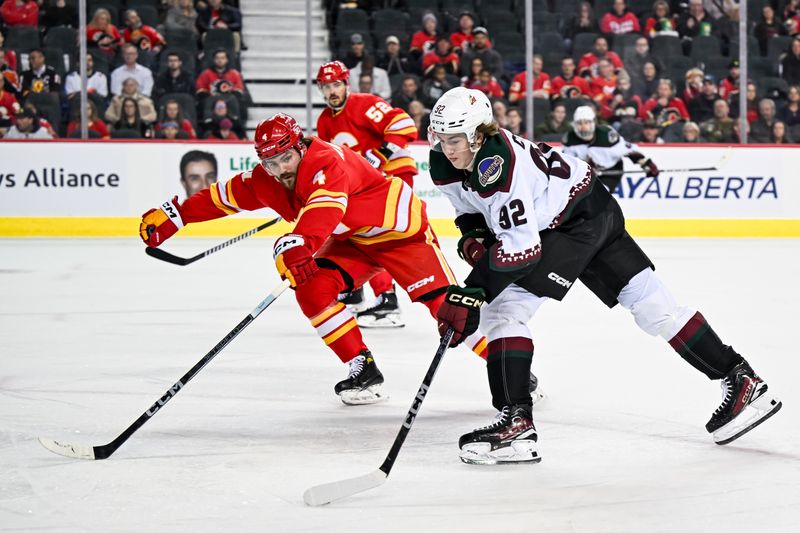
(158, 253)
(102, 452)
(330, 492)
(721, 163)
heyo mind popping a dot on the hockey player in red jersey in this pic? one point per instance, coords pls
(368, 125)
(352, 221)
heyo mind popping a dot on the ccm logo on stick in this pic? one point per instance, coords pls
(558, 279)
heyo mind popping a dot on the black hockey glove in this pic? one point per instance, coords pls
(461, 310)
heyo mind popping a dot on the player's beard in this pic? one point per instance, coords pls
(340, 103)
(288, 180)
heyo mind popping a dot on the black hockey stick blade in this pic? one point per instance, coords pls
(337, 490)
(102, 452)
(163, 255)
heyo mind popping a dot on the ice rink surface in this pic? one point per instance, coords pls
(93, 331)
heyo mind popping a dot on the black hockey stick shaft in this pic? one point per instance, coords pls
(163, 255)
(416, 404)
(602, 173)
(104, 451)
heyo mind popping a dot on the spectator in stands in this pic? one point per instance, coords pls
(20, 13)
(393, 60)
(221, 16)
(568, 85)
(170, 131)
(131, 119)
(219, 79)
(587, 67)
(130, 91)
(94, 123)
(780, 135)
(634, 63)
(181, 16)
(719, 128)
(59, 13)
(664, 108)
(660, 22)
(696, 22)
(790, 113)
(43, 122)
(9, 106)
(768, 27)
(729, 86)
(365, 83)
(651, 133)
(356, 52)
(474, 74)
(436, 85)
(27, 127)
(441, 55)
(752, 103)
(694, 85)
(555, 123)
(421, 116)
(761, 129)
(9, 55)
(224, 132)
(9, 80)
(541, 82)
(174, 79)
(790, 64)
(144, 37)
(583, 22)
(488, 85)
(407, 93)
(101, 33)
(40, 78)
(219, 112)
(5, 125)
(690, 133)
(603, 86)
(462, 40)
(620, 20)
(481, 47)
(625, 104)
(131, 69)
(701, 107)
(424, 40)
(514, 122)
(171, 112)
(499, 108)
(646, 87)
(791, 9)
(380, 79)
(96, 81)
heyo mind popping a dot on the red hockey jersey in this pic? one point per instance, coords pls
(367, 121)
(337, 194)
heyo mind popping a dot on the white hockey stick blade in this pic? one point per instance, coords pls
(330, 492)
(68, 450)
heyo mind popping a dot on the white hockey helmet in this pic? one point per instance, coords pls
(459, 110)
(583, 122)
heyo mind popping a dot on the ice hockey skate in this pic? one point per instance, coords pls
(511, 438)
(354, 299)
(537, 394)
(364, 383)
(383, 313)
(746, 403)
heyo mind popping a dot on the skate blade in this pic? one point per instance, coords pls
(752, 415)
(520, 452)
(388, 321)
(367, 396)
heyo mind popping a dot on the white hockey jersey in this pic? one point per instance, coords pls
(605, 151)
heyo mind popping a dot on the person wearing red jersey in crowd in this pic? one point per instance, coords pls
(462, 39)
(660, 22)
(587, 66)
(568, 85)
(94, 122)
(729, 86)
(9, 106)
(424, 40)
(9, 79)
(620, 20)
(665, 108)
(20, 13)
(380, 133)
(603, 86)
(171, 112)
(351, 221)
(7, 55)
(142, 36)
(442, 54)
(541, 82)
(488, 85)
(101, 33)
(219, 79)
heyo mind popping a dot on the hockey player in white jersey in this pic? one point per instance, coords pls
(603, 147)
(533, 222)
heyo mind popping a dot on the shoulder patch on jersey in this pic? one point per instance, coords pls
(495, 163)
(613, 136)
(605, 137)
(490, 169)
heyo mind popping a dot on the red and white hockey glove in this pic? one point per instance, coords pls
(293, 259)
(461, 310)
(160, 224)
(375, 158)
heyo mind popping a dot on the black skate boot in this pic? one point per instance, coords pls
(354, 300)
(745, 404)
(511, 438)
(383, 313)
(364, 382)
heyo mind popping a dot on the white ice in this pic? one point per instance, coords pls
(92, 332)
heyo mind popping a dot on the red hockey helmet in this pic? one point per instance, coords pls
(332, 71)
(278, 133)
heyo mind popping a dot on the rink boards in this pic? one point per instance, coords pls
(100, 189)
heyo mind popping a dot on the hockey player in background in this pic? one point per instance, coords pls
(352, 222)
(535, 221)
(603, 148)
(368, 125)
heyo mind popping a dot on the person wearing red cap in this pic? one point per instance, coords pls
(351, 221)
